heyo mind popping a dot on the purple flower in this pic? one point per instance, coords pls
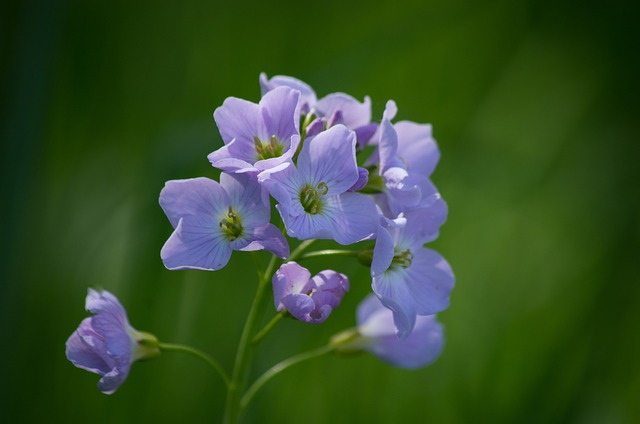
(308, 299)
(314, 201)
(257, 136)
(106, 344)
(409, 279)
(333, 109)
(378, 336)
(211, 220)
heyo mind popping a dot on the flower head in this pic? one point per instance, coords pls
(376, 334)
(257, 136)
(211, 220)
(308, 299)
(314, 201)
(106, 344)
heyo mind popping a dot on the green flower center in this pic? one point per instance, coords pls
(403, 259)
(231, 225)
(311, 197)
(268, 150)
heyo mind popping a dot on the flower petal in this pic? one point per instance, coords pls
(308, 96)
(299, 305)
(196, 243)
(90, 356)
(269, 238)
(240, 119)
(354, 114)
(330, 157)
(416, 147)
(430, 280)
(391, 289)
(280, 110)
(350, 217)
(194, 196)
(289, 278)
(236, 156)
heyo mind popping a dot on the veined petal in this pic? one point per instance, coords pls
(236, 156)
(330, 157)
(196, 196)
(240, 119)
(281, 113)
(354, 114)
(299, 305)
(110, 382)
(305, 226)
(430, 280)
(423, 224)
(308, 96)
(196, 243)
(350, 217)
(248, 197)
(392, 290)
(383, 252)
(284, 183)
(416, 147)
(420, 348)
(269, 238)
(86, 356)
(111, 323)
(289, 278)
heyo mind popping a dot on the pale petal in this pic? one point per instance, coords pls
(330, 157)
(196, 243)
(194, 196)
(430, 280)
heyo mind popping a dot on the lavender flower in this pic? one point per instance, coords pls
(211, 220)
(106, 344)
(333, 109)
(313, 198)
(376, 334)
(308, 299)
(257, 136)
(409, 279)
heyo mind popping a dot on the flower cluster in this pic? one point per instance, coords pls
(332, 173)
(304, 153)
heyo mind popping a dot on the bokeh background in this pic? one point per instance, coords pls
(535, 108)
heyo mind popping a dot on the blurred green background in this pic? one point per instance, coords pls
(535, 108)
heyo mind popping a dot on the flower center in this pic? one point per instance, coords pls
(268, 150)
(231, 225)
(403, 259)
(311, 197)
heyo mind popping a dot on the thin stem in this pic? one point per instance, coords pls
(172, 347)
(232, 407)
(278, 368)
(275, 320)
(329, 252)
(300, 250)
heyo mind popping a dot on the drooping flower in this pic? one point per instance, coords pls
(408, 278)
(308, 299)
(211, 220)
(257, 136)
(106, 344)
(376, 333)
(314, 201)
(333, 109)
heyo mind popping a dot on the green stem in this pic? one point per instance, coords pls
(278, 368)
(275, 320)
(242, 361)
(300, 250)
(329, 252)
(172, 347)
